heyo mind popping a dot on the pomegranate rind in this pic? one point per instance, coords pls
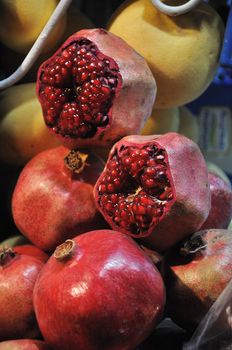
(107, 295)
(195, 280)
(17, 279)
(49, 205)
(135, 95)
(221, 203)
(189, 182)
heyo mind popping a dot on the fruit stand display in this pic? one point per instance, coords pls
(116, 199)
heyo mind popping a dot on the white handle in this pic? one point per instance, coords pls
(175, 10)
(38, 46)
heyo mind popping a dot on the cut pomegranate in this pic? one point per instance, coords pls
(95, 89)
(154, 187)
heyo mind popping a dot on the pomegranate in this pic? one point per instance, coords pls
(154, 188)
(221, 203)
(196, 273)
(98, 291)
(53, 198)
(95, 89)
(19, 268)
(24, 344)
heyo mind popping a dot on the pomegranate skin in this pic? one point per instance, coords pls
(105, 295)
(18, 273)
(49, 204)
(32, 251)
(221, 203)
(129, 107)
(24, 344)
(188, 181)
(195, 275)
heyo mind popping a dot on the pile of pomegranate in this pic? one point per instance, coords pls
(112, 248)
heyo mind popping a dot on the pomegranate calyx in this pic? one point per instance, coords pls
(64, 250)
(6, 253)
(193, 245)
(75, 161)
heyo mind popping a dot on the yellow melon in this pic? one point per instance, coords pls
(182, 52)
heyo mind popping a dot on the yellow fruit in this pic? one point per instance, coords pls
(188, 124)
(23, 132)
(23, 20)
(182, 52)
(162, 121)
(75, 21)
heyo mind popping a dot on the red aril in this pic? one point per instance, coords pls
(98, 291)
(53, 198)
(154, 188)
(19, 269)
(196, 272)
(95, 89)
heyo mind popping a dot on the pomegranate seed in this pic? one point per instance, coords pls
(139, 187)
(83, 77)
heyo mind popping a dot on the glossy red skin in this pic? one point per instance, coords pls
(189, 180)
(49, 205)
(107, 295)
(17, 279)
(24, 344)
(195, 281)
(221, 203)
(32, 251)
(134, 99)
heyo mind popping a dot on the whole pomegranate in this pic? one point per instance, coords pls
(155, 188)
(196, 273)
(221, 203)
(53, 198)
(95, 89)
(98, 291)
(19, 269)
(24, 344)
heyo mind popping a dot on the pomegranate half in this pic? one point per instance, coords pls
(95, 89)
(154, 188)
(98, 291)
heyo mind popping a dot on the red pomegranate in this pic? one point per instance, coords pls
(95, 89)
(154, 187)
(24, 344)
(221, 203)
(53, 198)
(196, 274)
(19, 269)
(98, 291)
